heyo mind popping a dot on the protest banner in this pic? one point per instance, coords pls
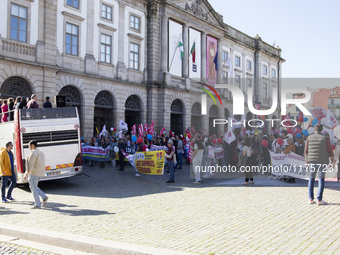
(294, 165)
(157, 148)
(95, 153)
(151, 162)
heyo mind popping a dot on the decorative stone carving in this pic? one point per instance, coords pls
(197, 9)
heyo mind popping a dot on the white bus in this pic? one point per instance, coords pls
(57, 132)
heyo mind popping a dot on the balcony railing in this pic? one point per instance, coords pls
(16, 49)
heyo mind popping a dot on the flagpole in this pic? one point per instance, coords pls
(179, 38)
(189, 56)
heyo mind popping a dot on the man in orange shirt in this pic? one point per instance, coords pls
(290, 147)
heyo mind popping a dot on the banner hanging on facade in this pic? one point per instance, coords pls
(211, 53)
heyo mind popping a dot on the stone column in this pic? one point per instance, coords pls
(243, 75)
(40, 43)
(90, 61)
(185, 64)
(47, 42)
(204, 57)
(185, 60)
(164, 76)
(122, 44)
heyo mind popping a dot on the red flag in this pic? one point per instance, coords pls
(193, 129)
(152, 127)
(188, 130)
(134, 129)
(146, 128)
(140, 130)
(162, 131)
(170, 133)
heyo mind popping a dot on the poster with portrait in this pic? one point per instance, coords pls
(174, 57)
(211, 53)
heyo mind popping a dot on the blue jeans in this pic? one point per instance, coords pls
(180, 155)
(171, 168)
(4, 182)
(226, 160)
(312, 176)
(33, 181)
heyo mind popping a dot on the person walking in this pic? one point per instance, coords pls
(7, 172)
(180, 151)
(247, 152)
(169, 155)
(121, 146)
(47, 104)
(197, 158)
(35, 169)
(318, 150)
(33, 102)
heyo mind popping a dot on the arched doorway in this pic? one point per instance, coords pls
(103, 111)
(15, 86)
(196, 117)
(177, 120)
(133, 109)
(73, 98)
(213, 114)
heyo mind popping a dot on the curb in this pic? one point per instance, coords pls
(82, 243)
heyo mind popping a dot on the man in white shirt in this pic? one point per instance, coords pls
(35, 169)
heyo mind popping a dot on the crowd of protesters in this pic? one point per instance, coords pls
(251, 149)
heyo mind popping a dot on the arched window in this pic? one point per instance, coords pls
(196, 109)
(133, 103)
(104, 98)
(16, 86)
(177, 106)
(72, 94)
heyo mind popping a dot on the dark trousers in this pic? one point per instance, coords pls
(249, 174)
(4, 182)
(121, 161)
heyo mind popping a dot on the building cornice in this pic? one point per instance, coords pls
(107, 27)
(65, 13)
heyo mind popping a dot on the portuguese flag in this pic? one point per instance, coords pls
(193, 52)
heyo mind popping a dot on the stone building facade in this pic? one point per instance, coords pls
(111, 60)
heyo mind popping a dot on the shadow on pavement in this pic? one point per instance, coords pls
(110, 183)
(64, 209)
(4, 211)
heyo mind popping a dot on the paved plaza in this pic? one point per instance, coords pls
(217, 217)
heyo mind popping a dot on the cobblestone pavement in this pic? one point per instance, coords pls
(202, 219)
(10, 248)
